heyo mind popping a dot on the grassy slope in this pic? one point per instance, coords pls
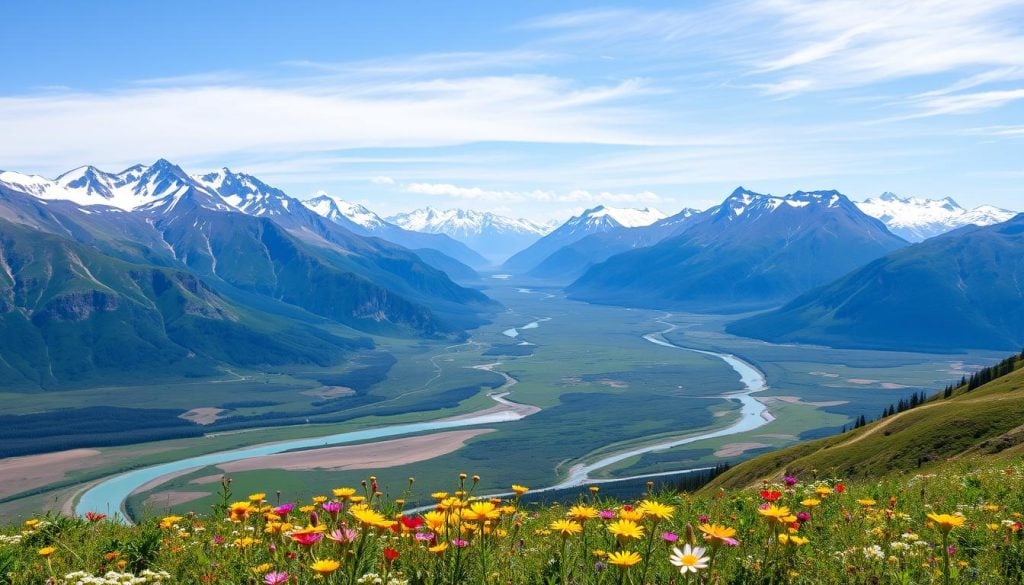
(983, 422)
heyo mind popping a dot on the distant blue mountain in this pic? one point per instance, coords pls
(752, 250)
(963, 289)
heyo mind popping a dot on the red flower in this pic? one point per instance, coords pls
(411, 523)
(840, 488)
(770, 495)
(94, 516)
(390, 554)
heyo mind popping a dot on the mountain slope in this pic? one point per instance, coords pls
(751, 251)
(572, 261)
(496, 237)
(211, 224)
(592, 221)
(962, 289)
(915, 219)
(360, 220)
(68, 315)
(983, 422)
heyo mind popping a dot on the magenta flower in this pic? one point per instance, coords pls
(218, 540)
(307, 538)
(275, 578)
(425, 536)
(703, 518)
(669, 536)
(789, 481)
(459, 543)
(283, 509)
(607, 514)
(803, 517)
(332, 508)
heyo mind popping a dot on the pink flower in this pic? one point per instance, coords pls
(343, 535)
(459, 542)
(607, 514)
(283, 509)
(669, 536)
(425, 536)
(275, 578)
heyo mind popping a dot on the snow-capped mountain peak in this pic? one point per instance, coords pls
(463, 222)
(916, 219)
(616, 216)
(334, 208)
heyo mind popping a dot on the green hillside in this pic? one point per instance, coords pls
(70, 315)
(983, 422)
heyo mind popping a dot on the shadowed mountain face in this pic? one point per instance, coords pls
(959, 290)
(70, 315)
(751, 251)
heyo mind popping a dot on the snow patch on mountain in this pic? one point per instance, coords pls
(916, 219)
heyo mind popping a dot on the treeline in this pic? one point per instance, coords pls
(97, 426)
(986, 375)
(976, 380)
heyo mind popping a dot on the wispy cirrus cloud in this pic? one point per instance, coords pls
(536, 195)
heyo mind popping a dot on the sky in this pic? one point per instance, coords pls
(529, 109)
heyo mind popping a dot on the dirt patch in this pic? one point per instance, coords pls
(734, 449)
(206, 479)
(203, 416)
(24, 473)
(798, 400)
(379, 455)
(330, 392)
(161, 501)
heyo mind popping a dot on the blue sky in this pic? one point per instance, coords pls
(533, 109)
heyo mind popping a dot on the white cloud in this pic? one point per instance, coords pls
(381, 180)
(200, 122)
(537, 195)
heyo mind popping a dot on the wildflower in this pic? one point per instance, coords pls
(810, 503)
(325, 567)
(717, 534)
(631, 513)
(623, 558)
(343, 493)
(626, 529)
(867, 503)
(566, 528)
(94, 516)
(239, 511)
(46, 551)
(257, 498)
(770, 495)
(606, 514)
(169, 521)
(656, 510)
(689, 560)
(459, 543)
(482, 511)
(439, 548)
(780, 515)
(873, 552)
(368, 517)
(343, 535)
(789, 481)
(306, 537)
(946, 522)
(793, 539)
(519, 489)
(331, 508)
(390, 554)
(582, 513)
(410, 523)
(823, 491)
(275, 578)
(283, 509)
(669, 536)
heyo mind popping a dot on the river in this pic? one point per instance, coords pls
(110, 494)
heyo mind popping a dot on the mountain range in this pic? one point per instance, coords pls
(752, 250)
(494, 236)
(963, 289)
(592, 221)
(248, 260)
(915, 219)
